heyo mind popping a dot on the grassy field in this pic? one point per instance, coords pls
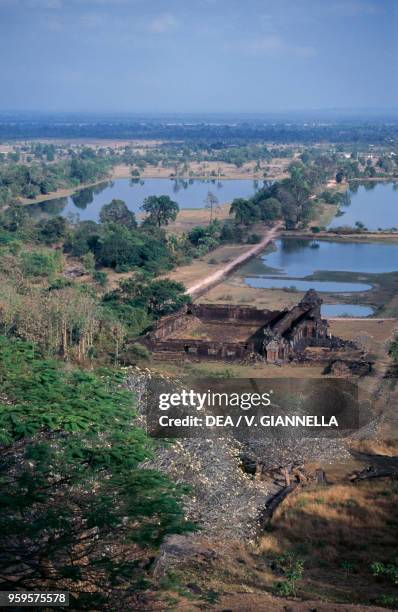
(338, 532)
(317, 554)
(191, 217)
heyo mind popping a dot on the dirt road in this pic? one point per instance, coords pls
(213, 279)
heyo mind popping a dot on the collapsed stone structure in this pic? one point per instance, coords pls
(228, 332)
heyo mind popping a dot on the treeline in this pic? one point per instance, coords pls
(31, 180)
(291, 199)
(295, 198)
(176, 155)
(274, 130)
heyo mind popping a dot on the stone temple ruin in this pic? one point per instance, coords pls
(227, 332)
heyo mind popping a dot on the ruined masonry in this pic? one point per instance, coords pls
(227, 332)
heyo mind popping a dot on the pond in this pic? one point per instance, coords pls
(294, 262)
(375, 204)
(346, 310)
(192, 193)
(261, 282)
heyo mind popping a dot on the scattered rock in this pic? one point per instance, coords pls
(348, 367)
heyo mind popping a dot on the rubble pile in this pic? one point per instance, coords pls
(226, 499)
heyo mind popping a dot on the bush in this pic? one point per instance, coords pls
(292, 569)
(40, 263)
(123, 250)
(139, 351)
(231, 233)
(253, 239)
(88, 261)
(100, 277)
(52, 230)
(389, 570)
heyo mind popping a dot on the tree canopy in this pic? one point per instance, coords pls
(71, 485)
(160, 209)
(117, 212)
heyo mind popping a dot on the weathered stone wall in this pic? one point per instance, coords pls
(280, 334)
(204, 349)
(226, 312)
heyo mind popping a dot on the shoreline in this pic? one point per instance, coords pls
(64, 193)
(353, 237)
(200, 288)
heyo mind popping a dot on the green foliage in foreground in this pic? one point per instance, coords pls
(389, 570)
(76, 510)
(139, 301)
(40, 263)
(292, 570)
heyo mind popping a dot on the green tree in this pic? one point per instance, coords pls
(160, 209)
(270, 209)
(117, 212)
(245, 211)
(52, 230)
(76, 507)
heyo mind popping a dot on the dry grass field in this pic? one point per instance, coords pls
(222, 369)
(318, 554)
(191, 217)
(276, 169)
(338, 531)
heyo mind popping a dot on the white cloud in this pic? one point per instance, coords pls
(163, 23)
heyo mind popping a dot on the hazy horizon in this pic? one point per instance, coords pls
(341, 112)
(207, 57)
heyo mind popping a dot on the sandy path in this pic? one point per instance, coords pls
(213, 279)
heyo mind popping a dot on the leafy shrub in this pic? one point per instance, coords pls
(88, 261)
(292, 569)
(100, 277)
(71, 484)
(40, 263)
(253, 239)
(389, 570)
(139, 351)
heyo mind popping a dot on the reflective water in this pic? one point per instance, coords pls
(373, 204)
(87, 203)
(262, 282)
(346, 310)
(296, 259)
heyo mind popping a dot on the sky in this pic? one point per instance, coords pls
(252, 56)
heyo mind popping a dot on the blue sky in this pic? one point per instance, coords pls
(198, 55)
